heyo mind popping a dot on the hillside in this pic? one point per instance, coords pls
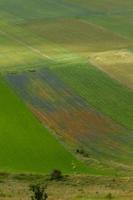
(66, 64)
(26, 145)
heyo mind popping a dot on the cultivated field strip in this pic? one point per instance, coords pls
(16, 49)
(26, 50)
(22, 10)
(117, 64)
(114, 23)
(78, 35)
(115, 16)
(71, 117)
(24, 44)
(26, 145)
(98, 89)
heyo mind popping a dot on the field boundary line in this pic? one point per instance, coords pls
(107, 73)
(105, 29)
(35, 50)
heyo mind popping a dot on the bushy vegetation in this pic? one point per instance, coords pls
(56, 175)
(39, 192)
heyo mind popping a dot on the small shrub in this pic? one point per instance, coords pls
(56, 175)
(82, 152)
(39, 192)
(109, 196)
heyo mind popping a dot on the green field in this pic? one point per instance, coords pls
(33, 10)
(70, 63)
(26, 146)
(59, 98)
(77, 35)
(105, 94)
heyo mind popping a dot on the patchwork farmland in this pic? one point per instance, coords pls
(66, 84)
(71, 116)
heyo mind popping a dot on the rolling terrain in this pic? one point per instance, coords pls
(26, 146)
(73, 117)
(69, 65)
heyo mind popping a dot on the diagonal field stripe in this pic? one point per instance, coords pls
(35, 50)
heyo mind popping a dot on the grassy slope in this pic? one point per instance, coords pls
(117, 64)
(72, 117)
(22, 49)
(15, 55)
(32, 10)
(25, 145)
(23, 11)
(105, 20)
(112, 15)
(105, 94)
(115, 24)
(116, 17)
(78, 35)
